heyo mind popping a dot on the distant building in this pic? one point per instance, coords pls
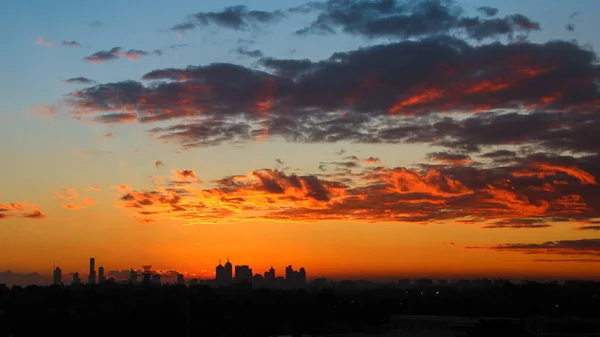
(424, 282)
(243, 273)
(133, 276)
(270, 275)
(443, 282)
(155, 279)
(92, 275)
(180, 279)
(57, 276)
(439, 326)
(405, 283)
(101, 276)
(295, 279)
(320, 283)
(194, 282)
(76, 279)
(228, 272)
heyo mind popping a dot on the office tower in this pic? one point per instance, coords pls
(220, 274)
(57, 276)
(101, 277)
(228, 272)
(270, 275)
(76, 279)
(302, 277)
(92, 276)
(133, 276)
(180, 279)
(243, 273)
(156, 279)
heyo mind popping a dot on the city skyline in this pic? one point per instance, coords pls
(377, 140)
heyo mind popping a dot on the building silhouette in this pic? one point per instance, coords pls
(133, 276)
(101, 276)
(76, 279)
(228, 272)
(295, 279)
(180, 279)
(92, 275)
(270, 276)
(243, 273)
(155, 279)
(57, 279)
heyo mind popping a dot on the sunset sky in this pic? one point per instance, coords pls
(359, 139)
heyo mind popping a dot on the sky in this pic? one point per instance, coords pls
(365, 139)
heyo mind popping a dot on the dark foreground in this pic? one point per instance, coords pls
(170, 310)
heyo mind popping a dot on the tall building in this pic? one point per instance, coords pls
(220, 274)
(270, 275)
(295, 279)
(228, 272)
(57, 276)
(133, 276)
(180, 279)
(156, 279)
(76, 279)
(101, 277)
(92, 276)
(243, 273)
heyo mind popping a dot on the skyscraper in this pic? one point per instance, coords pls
(76, 279)
(92, 276)
(243, 273)
(133, 276)
(180, 279)
(228, 272)
(101, 277)
(57, 276)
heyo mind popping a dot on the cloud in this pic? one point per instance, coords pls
(570, 27)
(589, 228)
(67, 193)
(43, 111)
(234, 17)
(42, 42)
(117, 52)
(94, 188)
(80, 80)
(79, 205)
(158, 164)
(487, 196)
(185, 176)
(123, 187)
(109, 135)
(488, 11)
(22, 210)
(96, 24)
(71, 43)
(381, 94)
(582, 247)
(279, 161)
(404, 20)
(450, 158)
(244, 51)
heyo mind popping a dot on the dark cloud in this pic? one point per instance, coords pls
(367, 95)
(450, 158)
(80, 80)
(234, 17)
(570, 27)
(488, 11)
(244, 51)
(71, 43)
(404, 19)
(279, 161)
(588, 228)
(519, 224)
(96, 24)
(22, 210)
(118, 52)
(589, 247)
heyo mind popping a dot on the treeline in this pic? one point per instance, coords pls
(171, 310)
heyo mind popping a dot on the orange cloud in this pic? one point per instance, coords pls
(185, 175)
(94, 188)
(123, 187)
(41, 42)
(80, 205)
(21, 209)
(43, 111)
(67, 193)
(158, 164)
